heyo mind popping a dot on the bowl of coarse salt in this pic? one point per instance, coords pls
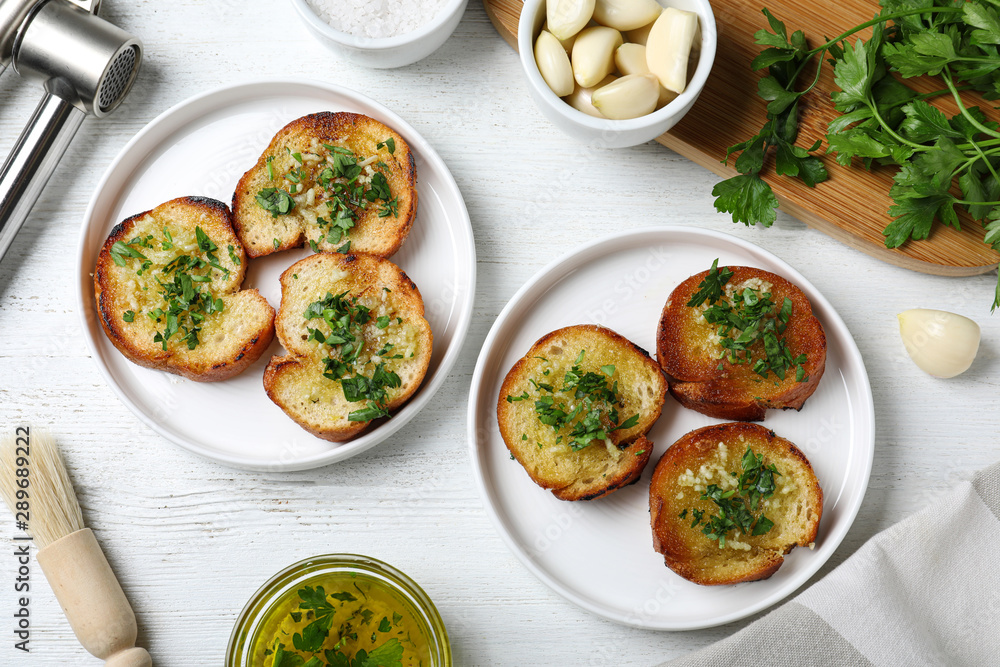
(381, 33)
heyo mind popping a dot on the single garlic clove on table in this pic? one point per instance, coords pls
(565, 18)
(553, 64)
(940, 343)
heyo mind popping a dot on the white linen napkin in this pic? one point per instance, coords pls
(924, 592)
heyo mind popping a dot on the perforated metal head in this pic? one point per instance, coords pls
(118, 79)
(76, 55)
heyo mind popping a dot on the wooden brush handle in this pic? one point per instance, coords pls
(92, 599)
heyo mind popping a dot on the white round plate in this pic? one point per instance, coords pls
(599, 554)
(202, 147)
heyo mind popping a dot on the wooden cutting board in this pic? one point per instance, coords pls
(852, 205)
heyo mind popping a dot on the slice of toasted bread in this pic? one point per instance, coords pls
(689, 348)
(136, 263)
(393, 335)
(709, 456)
(546, 450)
(310, 162)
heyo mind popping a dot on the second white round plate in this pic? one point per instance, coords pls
(202, 147)
(599, 554)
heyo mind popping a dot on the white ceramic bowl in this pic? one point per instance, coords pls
(601, 131)
(387, 51)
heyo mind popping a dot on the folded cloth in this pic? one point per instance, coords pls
(924, 592)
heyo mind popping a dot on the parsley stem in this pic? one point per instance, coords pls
(966, 202)
(989, 166)
(946, 75)
(895, 135)
(936, 93)
(819, 69)
(987, 143)
(965, 165)
(884, 19)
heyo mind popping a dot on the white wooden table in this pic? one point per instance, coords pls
(191, 540)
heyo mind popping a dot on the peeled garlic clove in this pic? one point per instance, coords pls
(639, 35)
(565, 18)
(631, 59)
(668, 47)
(626, 14)
(666, 97)
(553, 64)
(629, 97)
(580, 98)
(940, 343)
(567, 44)
(594, 54)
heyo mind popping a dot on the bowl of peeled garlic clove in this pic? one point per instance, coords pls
(616, 73)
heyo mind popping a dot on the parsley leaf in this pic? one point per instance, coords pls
(389, 654)
(276, 201)
(883, 120)
(748, 198)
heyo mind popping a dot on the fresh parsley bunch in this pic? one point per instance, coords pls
(945, 163)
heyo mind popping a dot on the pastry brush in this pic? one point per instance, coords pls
(69, 554)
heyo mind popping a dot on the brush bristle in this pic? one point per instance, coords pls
(54, 510)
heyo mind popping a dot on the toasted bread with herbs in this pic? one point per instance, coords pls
(167, 284)
(358, 344)
(330, 180)
(737, 341)
(727, 502)
(575, 409)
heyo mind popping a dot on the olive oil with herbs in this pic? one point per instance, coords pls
(341, 620)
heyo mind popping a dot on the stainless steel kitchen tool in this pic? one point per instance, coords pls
(86, 67)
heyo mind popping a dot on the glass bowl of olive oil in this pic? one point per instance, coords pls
(339, 609)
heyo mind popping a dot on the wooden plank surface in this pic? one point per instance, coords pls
(852, 205)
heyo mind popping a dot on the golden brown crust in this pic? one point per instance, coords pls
(593, 471)
(291, 381)
(381, 236)
(112, 296)
(795, 512)
(736, 391)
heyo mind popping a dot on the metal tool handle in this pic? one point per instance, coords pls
(32, 161)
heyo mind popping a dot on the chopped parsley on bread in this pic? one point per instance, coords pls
(736, 341)
(335, 181)
(358, 344)
(167, 286)
(727, 502)
(575, 409)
